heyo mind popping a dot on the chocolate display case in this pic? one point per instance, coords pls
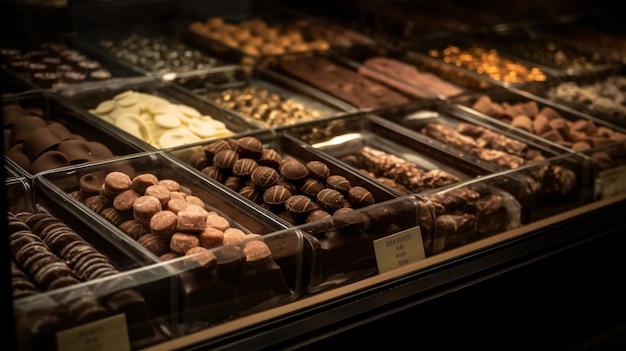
(478, 239)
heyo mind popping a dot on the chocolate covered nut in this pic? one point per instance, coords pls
(264, 176)
(293, 170)
(124, 200)
(243, 167)
(182, 242)
(318, 170)
(211, 237)
(360, 197)
(141, 182)
(154, 244)
(250, 147)
(190, 221)
(330, 200)
(163, 224)
(225, 159)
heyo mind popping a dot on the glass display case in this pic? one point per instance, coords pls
(266, 175)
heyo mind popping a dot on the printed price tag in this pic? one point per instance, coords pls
(399, 249)
(613, 181)
(105, 334)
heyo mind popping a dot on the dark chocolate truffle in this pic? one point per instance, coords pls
(264, 176)
(330, 200)
(293, 170)
(360, 197)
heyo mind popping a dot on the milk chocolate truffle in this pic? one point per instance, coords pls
(159, 191)
(124, 201)
(190, 220)
(293, 170)
(264, 176)
(251, 192)
(211, 237)
(170, 184)
(141, 182)
(214, 220)
(318, 170)
(250, 147)
(116, 182)
(163, 224)
(145, 207)
(233, 235)
(182, 242)
(317, 215)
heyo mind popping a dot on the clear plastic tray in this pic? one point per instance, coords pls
(194, 120)
(46, 307)
(237, 221)
(342, 80)
(480, 59)
(262, 97)
(598, 94)
(55, 64)
(49, 133)
(555, 183)
(380, 151)
(304, 183)
(366, 242)
(609, 162)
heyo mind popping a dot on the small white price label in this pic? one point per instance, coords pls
(399, 249)
(613, 181)
(105, 334)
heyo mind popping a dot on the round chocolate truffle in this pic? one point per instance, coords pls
(243, 167)
(330, 200)
(225, 159)
(318, 170)
(293, 170)
(276, 195)
(264, 176)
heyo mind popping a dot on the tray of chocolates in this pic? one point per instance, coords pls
(162, 208)
(483, 60)
(598, 94)
(149, 52)
(263, 97)
(343, 81)
(355, 244)
(409, 72)
(157, 113)
(553, 122)
(56, 64)
(43, 132)
(257, 38)
(65, 275)
(550, 51)
(278, 174)
(555, 184)
(375, 148)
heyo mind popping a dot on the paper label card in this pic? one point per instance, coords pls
(399, 249)
(104, 334)
(613, 181)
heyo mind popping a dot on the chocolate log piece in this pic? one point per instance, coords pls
(405, 78)
(342, 82)
(450, 136)
(489, 139)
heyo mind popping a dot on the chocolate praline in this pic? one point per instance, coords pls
(318, 170)
(350, 222)
(250, 147)
(360, 197)
(293, 170)
(330, 200)
(264, 176)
